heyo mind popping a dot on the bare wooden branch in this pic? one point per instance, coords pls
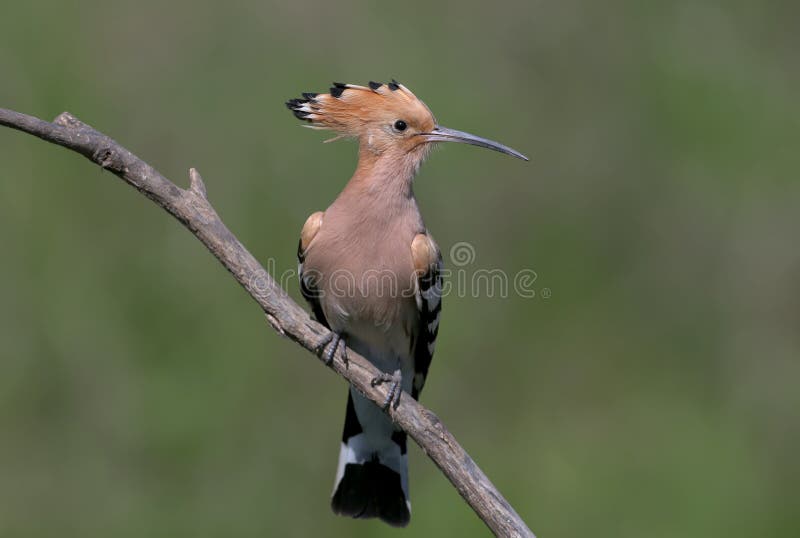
(192, 208)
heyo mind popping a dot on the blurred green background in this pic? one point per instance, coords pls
(654, 393)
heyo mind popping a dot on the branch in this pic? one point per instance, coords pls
(192, 208)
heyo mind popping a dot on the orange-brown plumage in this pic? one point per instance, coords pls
(368, 113)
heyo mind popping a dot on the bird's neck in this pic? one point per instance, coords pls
(386, 175)
(381, 189)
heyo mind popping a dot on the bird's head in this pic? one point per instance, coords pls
(387, 119)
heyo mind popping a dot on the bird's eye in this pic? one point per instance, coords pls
(400, 125)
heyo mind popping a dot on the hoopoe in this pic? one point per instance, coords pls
(371, 273)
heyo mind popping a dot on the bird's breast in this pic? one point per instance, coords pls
(365, 287)
(364, 279)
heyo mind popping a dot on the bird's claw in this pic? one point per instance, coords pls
(334, 339)
(396, 378)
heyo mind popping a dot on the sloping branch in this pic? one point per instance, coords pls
(192, 208)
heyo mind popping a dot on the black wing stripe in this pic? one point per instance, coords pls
(307, 288)
(352, 426)
(430, 290)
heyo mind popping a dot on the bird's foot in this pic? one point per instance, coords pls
(396, 378)
(334, 339)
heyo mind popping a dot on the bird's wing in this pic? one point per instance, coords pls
(307, 284)
(428, 265)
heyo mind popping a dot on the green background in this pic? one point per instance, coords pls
(653, 394)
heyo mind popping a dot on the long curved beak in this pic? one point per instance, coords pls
(443, 134)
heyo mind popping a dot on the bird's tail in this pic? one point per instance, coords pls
(372, 478)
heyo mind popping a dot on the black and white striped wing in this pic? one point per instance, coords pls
(307, 285)
(309, 289)
(429, 301)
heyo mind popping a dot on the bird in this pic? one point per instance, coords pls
(372, 274)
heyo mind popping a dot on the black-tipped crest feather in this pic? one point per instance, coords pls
(295, 105)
